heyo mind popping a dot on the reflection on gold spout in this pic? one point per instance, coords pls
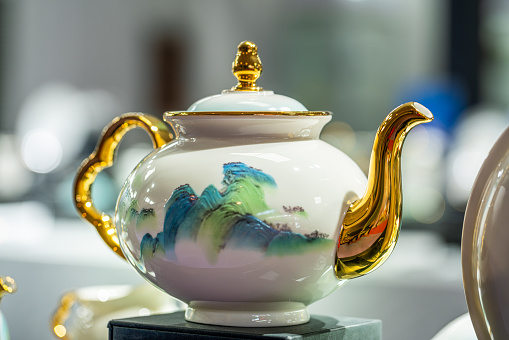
(371, 226)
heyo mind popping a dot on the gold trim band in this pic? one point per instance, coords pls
(247, 113)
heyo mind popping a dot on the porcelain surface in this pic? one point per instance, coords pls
(247, 101)
(265, 205)
(485, 254)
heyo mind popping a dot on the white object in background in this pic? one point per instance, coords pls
(460, 328)
(85, 312)
(24, 224)
(55, 121)
(4, 329)
(15, 179)
(473, 139)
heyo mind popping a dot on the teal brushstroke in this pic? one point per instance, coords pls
(225, 218)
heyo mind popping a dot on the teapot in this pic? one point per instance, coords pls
(241, 211)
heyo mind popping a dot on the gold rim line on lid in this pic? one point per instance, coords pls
(248, 113)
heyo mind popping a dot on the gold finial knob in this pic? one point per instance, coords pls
(247, 67)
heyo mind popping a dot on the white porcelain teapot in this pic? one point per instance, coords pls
(245, 214)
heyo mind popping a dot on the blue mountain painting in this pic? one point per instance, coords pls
(219, 219)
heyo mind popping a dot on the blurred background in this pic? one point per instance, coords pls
(68, 67)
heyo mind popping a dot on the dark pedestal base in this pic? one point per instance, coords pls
(174, 326)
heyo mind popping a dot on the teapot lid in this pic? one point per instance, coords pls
(247, 95)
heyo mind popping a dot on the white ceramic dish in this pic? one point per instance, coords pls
(485, 250)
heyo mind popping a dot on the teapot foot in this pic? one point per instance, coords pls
(247, 314)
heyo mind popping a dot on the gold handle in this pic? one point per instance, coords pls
(103, 157)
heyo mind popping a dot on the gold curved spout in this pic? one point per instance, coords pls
(371, 225)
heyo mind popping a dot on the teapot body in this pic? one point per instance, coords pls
(239, 219)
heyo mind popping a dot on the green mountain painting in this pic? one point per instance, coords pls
(229, 218)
